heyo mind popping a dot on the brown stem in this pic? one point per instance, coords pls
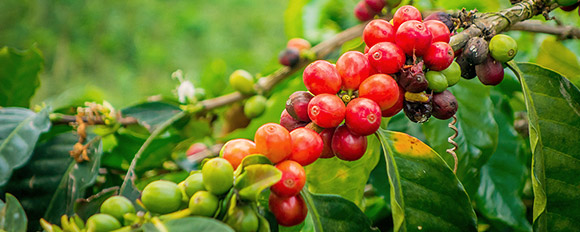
(563, 32)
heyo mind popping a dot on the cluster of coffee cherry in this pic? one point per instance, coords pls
(367, 9)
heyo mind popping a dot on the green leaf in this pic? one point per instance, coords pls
(478, 132)
(151, 114)
(255, 179)
(293, 19)
(334, 213)
(553, 105)
(251, 160)
(425, 194)
(19, 75)
(19, 131)
(499, 197)
(85, 208)
(563, 61)
(76, 180)
(344, 178)
(12, 215)
(204, 224)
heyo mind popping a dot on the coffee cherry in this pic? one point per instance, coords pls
(306, 146)
(289, 57)
(442, 17)
(326, 136)
(418, 112)
(390, 112)
(117, 206)
(289, 211)
(467, 69)
(242, 218)
(444, 105)
(218, 176)
(386, 57)
(363, 12)
(437, 81)
(503, 48)
(195, 148)
(439, 56)
(203, 203)
(348, 145)
(375, 5)
(297, 105)
(321, 77)
(571, 7)
(353, 67)
(404, 14)
(438, 30)
(413, 79)
(413, 38)
(378, 30)
(102, 223)
(289, 122)
(298, 43)
(452, 74)
(476, 50)
(490, 72)
(161, 197)
(293, 179)
(326, 110)
(255, 106)
(193, 184)
(417, 97)
(566, 2)
(242, 81)
(273, 141)
(363, 116)
(234, 151)
(381, 88)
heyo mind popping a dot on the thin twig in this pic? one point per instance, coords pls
(563, 32)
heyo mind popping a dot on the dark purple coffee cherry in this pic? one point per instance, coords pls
(289, 57)
(467, 69)
(444, 105)
(476, 50)
(418, 112)
(490, 72)
(297, 105)
(443, 17)
(413, 79)
(289, 122)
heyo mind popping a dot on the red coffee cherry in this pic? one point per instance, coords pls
(273, 141)
(289, 211)
(375, 5)
(235, 150)
(404, 14)
(306, 146)
(378, 30)
(386, 57)
(293, 179)
(289, 122)
(353, 67)
(326, 110)
(439, 56)
(326, 136)
(297, 105)
(390, 112)
(381, 88)
(347, 145)
(298, 43)
(321, 77)
(363, 12)
(438, 30)
(413, 38)
(363, 116)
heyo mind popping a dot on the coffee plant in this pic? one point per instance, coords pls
(380, 127)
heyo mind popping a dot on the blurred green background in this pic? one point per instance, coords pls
(124, 51)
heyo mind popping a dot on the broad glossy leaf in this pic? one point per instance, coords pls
(85, 208)
(19, 75)
(12, 215)
(553, 105)
(190, 224)
(293, 19)
(425, 194)
(478, 132)
(151, 114)
(19, 132)
(554, 55)
(77, 178)
(334, 213)
(255, 179)
(344, 178)
(499, 196)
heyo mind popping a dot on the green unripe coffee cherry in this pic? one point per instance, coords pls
(437, 81)
(117, 206)
(243, 219)
(242, 81)
(452, 74)
(218, 176)
(102, 223)
(503, 48)
(566, 2)
(255, 106)
(203, 203)
(161, 197)
(193, 184)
